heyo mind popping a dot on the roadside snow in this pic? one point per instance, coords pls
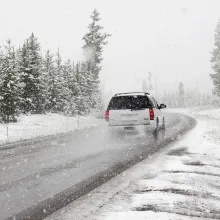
(215, 113)
(182, 182)
(34, 126)
(197, 111)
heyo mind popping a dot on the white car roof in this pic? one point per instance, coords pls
(132, 94)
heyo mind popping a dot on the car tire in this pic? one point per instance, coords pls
(157, 124)
(156, 131)
(164, 124)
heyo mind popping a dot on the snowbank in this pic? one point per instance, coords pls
(214, 113)
(42, 125)
(196, 112)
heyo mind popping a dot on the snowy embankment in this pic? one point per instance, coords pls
(33, 126)
(181, 182)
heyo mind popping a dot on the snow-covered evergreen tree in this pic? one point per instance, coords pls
(192, 98)
(215, 60)
(9, 84)
(150, 83)
(144, 86)
(31, 69)
(94, 40)
(68, 88)
(100, 107)
(82, 90)
(181, 95)
(38, 84)
(59, 98)
(49, 78)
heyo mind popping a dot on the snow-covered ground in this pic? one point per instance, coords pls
(181, 182)
(33, 126)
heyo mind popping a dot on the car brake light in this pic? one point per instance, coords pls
(151, 111)
(107, 115)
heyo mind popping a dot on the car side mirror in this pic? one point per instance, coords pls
(162, 106)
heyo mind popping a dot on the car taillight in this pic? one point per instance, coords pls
(151, 111)
(107, 115)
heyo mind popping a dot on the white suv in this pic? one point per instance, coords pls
(132, 109)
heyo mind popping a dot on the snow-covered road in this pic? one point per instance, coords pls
(182, 182)
(35, 172)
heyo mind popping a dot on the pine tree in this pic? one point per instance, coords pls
(82, 89)
(68, 88)
(100, 107)
(76, 102)
(150, 83)
(59, 83)
(53, 70)
(94, 40)
(50, 78)
(30, 67)
(9, 84)
(181, 95)
(215, 60)
(165, 98)
(144, 86)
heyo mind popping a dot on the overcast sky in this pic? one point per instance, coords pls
(171, 38)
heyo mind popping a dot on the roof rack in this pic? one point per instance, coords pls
(124, 93)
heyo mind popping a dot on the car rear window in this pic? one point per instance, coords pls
(129, 102)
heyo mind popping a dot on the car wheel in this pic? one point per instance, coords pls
(157, 124)
(156, 132)
(163, 126)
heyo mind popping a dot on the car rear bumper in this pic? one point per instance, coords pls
(128, 123)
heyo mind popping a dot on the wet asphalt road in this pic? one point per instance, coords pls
(31, 173)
